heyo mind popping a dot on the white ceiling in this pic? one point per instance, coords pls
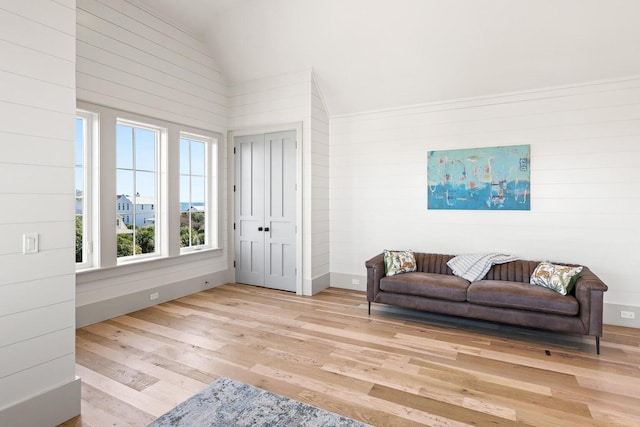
(378, 54)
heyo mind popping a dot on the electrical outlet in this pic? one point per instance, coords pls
(627, 314)
(355, 281)
(153, 296)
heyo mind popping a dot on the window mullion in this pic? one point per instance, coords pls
(134, 174)
(190, 175)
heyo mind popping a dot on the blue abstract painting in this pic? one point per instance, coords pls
(491, 178)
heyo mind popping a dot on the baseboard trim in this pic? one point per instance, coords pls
(352, 282)
(320, 283)
(611, 315)
(108, 309)
(51, 408)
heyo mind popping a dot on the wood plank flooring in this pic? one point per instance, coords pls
(393, 368)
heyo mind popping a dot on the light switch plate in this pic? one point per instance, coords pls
(30, 243)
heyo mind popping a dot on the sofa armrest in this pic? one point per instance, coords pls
(589, 292)
(375, 272)
(590, 281)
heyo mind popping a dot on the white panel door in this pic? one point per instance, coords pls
(249, 209)
(266, 210)
(280, 210)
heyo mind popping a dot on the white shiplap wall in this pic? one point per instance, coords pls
(37, 291)
(585, 146)
(319, 186)
(283, 100)
(270, 101)
(132, 60)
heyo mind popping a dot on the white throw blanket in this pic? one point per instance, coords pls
(473, 267)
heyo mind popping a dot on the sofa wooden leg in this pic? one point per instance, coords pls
(597, 344)
(369, 308)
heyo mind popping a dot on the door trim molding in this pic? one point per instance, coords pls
(231, 134)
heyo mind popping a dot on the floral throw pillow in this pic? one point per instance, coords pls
(396, 262)
(559, 278)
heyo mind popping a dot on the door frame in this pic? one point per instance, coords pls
(231, 134)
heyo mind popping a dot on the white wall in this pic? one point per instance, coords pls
(37, 291)
(287, 99)
(129, 59)
(319, 187)
(585, 145)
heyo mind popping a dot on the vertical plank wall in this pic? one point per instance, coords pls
(37, 291)
(585, 145)
(287, 99)
(131, 60)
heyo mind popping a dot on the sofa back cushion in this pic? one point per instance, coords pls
(514, 271)
(433, 263)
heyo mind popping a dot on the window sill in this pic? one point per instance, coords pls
(89, 274)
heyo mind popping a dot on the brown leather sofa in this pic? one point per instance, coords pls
(504, 295)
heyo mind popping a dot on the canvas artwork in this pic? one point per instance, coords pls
(490, 178)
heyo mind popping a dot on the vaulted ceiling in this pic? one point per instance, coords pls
(379, 54)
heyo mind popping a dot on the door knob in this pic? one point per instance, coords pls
(259, 228)
(266, 229)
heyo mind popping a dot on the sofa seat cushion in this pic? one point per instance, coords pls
(432, 285)
(518, 295)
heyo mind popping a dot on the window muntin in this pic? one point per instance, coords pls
(195, 206)
(137, 182)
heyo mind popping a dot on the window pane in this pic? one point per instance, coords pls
(198, 217)
(79, 204)
(197, 158)
(124, 182)
(185, 193)
(145, 145)
(79, 180)
(79, 239)
(185, 209)
(145, 199)
(124, 147)
(125, 243)
(184, 156)
(145, 186)
(197, 191)
(145, 239)
(185, 229)
(79, 141)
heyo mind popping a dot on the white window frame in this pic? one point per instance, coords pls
(210, 205)
(102, 184)
(159, 152)
(89, 136)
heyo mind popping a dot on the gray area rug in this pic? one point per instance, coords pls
(228, 403)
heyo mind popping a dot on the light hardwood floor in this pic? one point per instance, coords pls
(393, 368)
